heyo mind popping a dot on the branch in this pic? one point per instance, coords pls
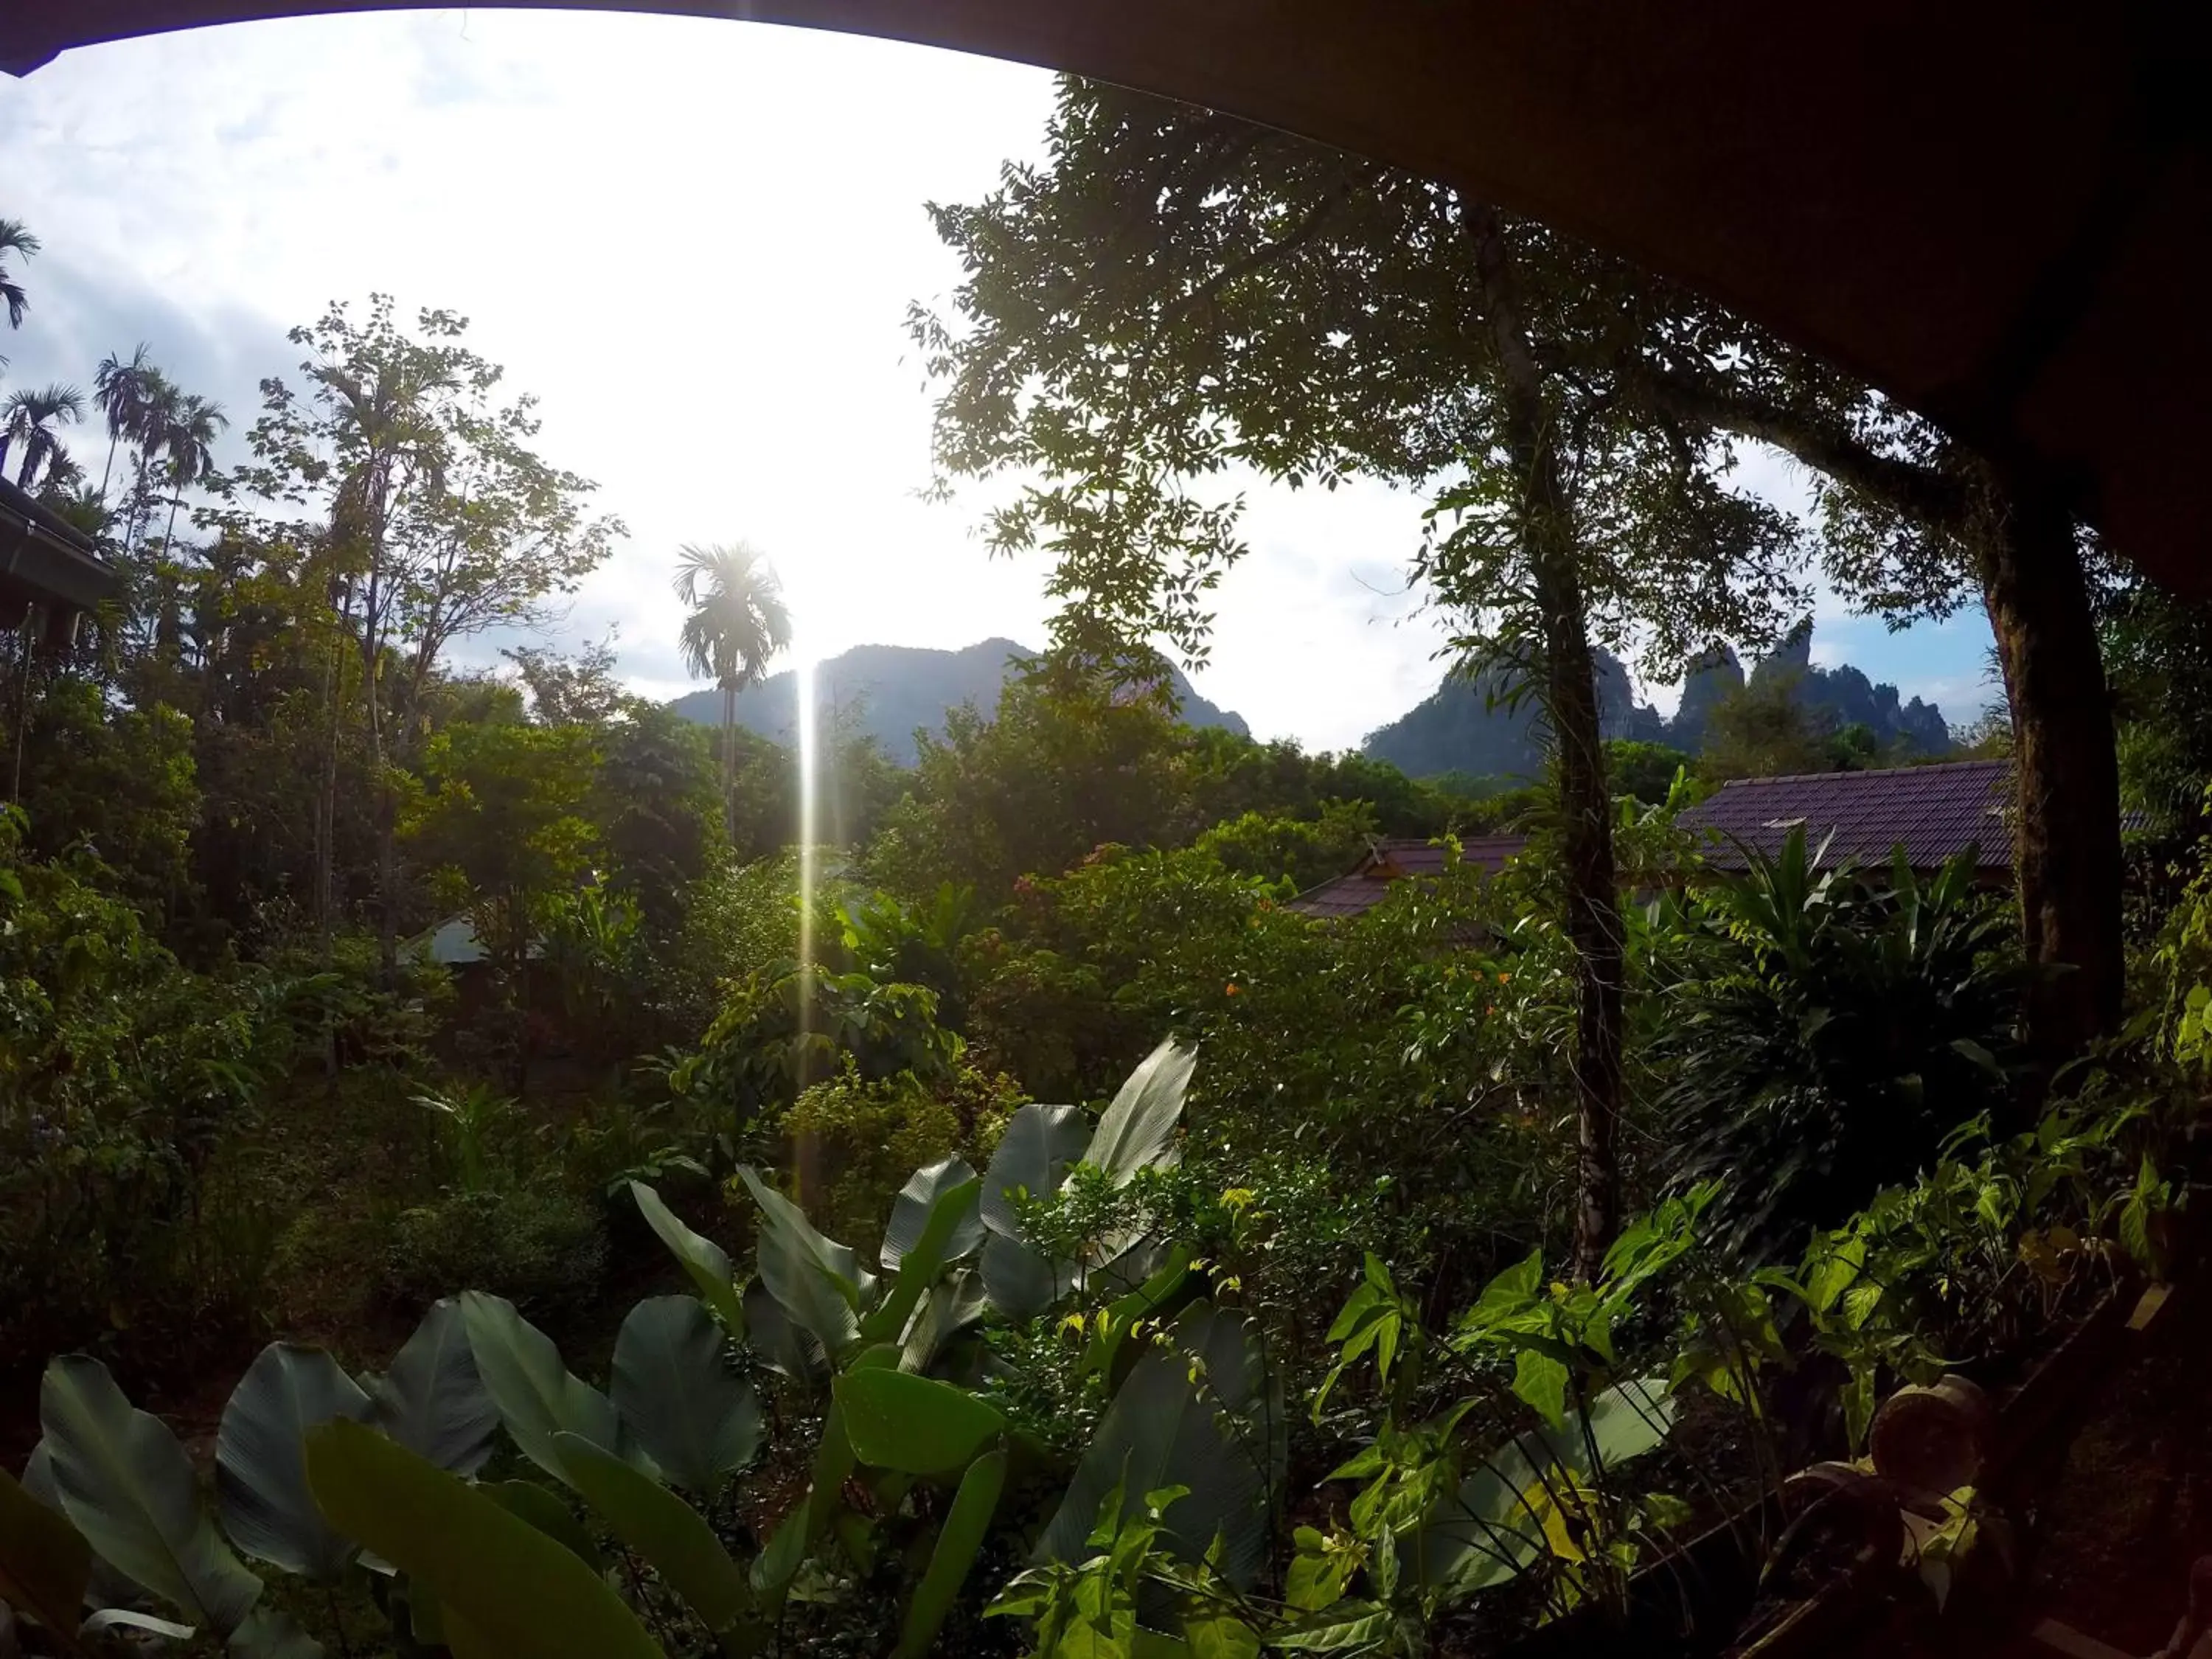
(1923, 493)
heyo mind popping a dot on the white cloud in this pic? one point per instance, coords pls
(696, 241)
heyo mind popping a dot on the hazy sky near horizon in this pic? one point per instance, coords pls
(696, 241)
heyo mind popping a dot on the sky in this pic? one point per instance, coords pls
(696, 241)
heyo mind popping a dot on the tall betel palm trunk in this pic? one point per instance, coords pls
(737, 623)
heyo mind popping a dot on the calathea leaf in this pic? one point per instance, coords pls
(261, 1478)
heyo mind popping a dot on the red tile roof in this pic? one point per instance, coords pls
(1362, 889)
(1935, 813)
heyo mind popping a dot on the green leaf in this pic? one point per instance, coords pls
(895, 1420)
(44, 1563)
(523, 1595)
(1541, 1382)
(432, 1400)
(774, 1567)
(1218, 1440)
(1138, 1129)
(127, 1485)
(1216, 1634)
(1625, 1421)
(109, 1619)
(954, 1553)
(916, 1207)
(924, 1240)
(542, 1508)
(706, 1262)
(261, 1480)
(1033, 1153)
(665, 1530)
(673, 1389)
(1019, 1281)
(270, 1634)
(818, 1282)
(1347, 1627)
(536, 1395)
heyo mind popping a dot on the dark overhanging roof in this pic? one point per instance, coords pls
(1934, 812)
(1999, 212)
(43, 555)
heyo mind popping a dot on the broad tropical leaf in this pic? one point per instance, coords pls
(914, 1425)
(44, 1563)
(665, 1530)
(432, 1400)
(536, 1394)
(706, 1262)
(1020, 1282)
(917, 1206)
(922, 1238)
(1138, 1130)
(541, 1506)
(519, 1592)
(954, 1553)
(260, 1480)
(673, 1389)
(1221, 1442)
(127, 1485)
(819, 1282)
(1039, 1143)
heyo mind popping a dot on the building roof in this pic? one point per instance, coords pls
(1361, 889)
(1935, 813)
(47, 559)
(2015, 248)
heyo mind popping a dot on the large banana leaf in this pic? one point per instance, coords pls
(706, 1262)
(667, 1531)
(1219, 1439)
(1020, 1282)
(914, 1425)
(784, 1348)
(957, 1541)
(674, 1387)
(820, 1282)
(126, 1485)
(922, 1239)
(432, 1400)
(536, 1394)
(954, 1305)
(261, 1480)
(1033, 1155)
(44, 1563)
(513, 1590)
(918, 1204)
(542, 1507)
(108, 1587)
(1138, 1129)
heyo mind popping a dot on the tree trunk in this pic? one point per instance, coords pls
(2066, 845)
(730, 762)
(1570, 689)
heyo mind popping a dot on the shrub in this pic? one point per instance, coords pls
(536, 1244)
(1835, 1035)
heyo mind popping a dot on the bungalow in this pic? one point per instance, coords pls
(50, 576)
(1934, 812)
(1361, 889)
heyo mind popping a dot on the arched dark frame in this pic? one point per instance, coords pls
(1998, 210)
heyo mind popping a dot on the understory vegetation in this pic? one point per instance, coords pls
(472, 1181)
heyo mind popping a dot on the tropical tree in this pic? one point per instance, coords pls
(30, 419)
(16, 238)
(189, 443)
(119, 389)
(737, 623)
(1250, 301)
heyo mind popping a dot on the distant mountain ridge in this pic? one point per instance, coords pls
(898, 690)
(1455, 729)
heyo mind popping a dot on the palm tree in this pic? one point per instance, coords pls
(120, 391)
(737, 622)
(158, 405)
(30, 418)
(16, 240)
(190, 445)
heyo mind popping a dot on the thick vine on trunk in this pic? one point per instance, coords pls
(2067, 858)
(1593, 920)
